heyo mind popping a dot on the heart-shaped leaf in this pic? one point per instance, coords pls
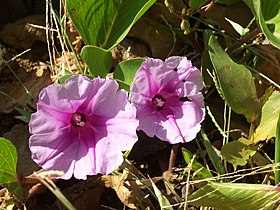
(106, 23)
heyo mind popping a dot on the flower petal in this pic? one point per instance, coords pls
(43, 122)
(183, 125)
(110, 127)
(175, 78)
(49, 150)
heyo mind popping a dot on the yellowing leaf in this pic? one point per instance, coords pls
(270, 111)
(238, 152)
(236, 196)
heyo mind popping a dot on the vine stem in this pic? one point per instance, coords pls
(172, 158)
(207, 9)
(244, 40)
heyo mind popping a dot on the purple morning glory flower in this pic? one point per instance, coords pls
(82, 127)
(168, 99)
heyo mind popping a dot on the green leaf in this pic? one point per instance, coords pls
(237, 27)
(25, 115)
(238, 152)
(234, 82)
(106, 23)
(98, 60)
(163, 201)
(196, 4)
(8, 161)
(63, 78)
(125, 71)
(236, 196)
(216, 161)
(228, 2)
(268, 16)
(277, 152)
(202, 172)
(270, 111)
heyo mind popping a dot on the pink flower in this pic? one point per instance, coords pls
(168, 99)
(82, 127)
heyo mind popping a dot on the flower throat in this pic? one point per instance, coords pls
(78, 119)
(158, 102)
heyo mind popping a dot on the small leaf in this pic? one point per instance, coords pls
(8, 162)
(62, 79)
(236, 196)
(98, 60)
(270, 111)
(238, 152)
(163, 201)
(125, 72)
(106, 23)
(234, 82)
(268, 16)
(237, 27)
(196, 166)
(25, 115)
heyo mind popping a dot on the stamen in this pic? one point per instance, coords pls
(158, 102)
(78, 119)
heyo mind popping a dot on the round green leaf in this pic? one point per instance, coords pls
(98, 60)
(8, 161)
(125, 71)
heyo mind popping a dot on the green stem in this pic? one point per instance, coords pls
(277, 152)
(228, 124)
(251, 132)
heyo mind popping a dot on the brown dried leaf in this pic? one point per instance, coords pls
(118, 184)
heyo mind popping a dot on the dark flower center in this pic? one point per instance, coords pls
(78, 119)
(158, 102)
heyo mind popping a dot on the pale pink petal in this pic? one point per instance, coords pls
(183, 125)
(181, 110)
(82, 127)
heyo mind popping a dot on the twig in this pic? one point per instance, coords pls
(244, 40)
(207, 9)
